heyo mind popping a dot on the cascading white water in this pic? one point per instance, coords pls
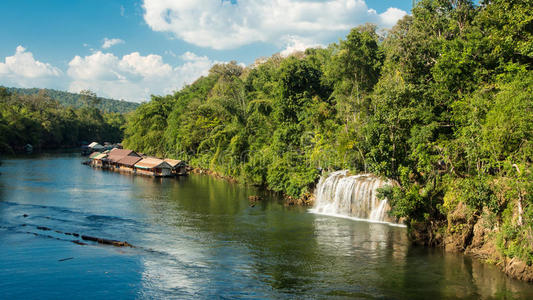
(352, 196)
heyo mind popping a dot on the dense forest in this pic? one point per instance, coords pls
(44, 123)
(78, 100)
(442, 103)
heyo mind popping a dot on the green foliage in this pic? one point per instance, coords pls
(38, 120)
(84, 98)
(146, 127)
(508, 28)
(477, 193)
(442, 104)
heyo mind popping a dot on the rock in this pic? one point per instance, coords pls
(472, 232)
(460, 229)
(482, 245)
(307, 199)
(254, 198)
(518, 269)
(426, 233)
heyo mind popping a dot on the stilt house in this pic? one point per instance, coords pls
(152, 166)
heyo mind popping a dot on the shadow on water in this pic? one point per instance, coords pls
(198, 236)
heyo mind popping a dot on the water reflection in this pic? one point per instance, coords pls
(199, 237)
(349, 236)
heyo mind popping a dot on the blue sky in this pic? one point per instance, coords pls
(157, 46)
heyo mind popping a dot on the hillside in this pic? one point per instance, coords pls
(42, 122)
(75, 100)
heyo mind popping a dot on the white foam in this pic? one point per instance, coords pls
(313, 211)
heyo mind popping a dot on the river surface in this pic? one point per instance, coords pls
(198, 237)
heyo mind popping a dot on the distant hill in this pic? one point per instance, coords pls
(75, 100)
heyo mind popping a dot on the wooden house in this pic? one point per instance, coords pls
(152, 166)
(179, 167)
(117, 154)
(94, 154)
(127, 163)
(124, 160)
(99, 161)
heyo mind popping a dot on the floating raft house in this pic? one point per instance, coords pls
(128, 161)
(155, 166)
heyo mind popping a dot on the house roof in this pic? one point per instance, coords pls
(94, 154)
(117, 154)
(173, 162)
(152, 162)
(95, 145)
(128, 161)
(122, 152)
(100, 156)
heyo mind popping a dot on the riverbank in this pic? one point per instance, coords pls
(465, 232)
(307, 199)
(479, 234)
(202, 171)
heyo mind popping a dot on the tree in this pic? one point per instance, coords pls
(89, 98)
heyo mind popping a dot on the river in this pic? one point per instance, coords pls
(198, 237)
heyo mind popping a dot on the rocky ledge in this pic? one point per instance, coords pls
(474, 234)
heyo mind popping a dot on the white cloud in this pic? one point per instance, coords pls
(295, 44)
(134, 76)
(229, 24)
(189, 56)
(23, 70)
(108, 43)
(391, 16)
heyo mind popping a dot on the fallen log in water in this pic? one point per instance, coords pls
(89, 238)
(65, 259)
(106, 241)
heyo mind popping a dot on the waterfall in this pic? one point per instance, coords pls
(353, 196)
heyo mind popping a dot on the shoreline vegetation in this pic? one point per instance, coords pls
(442, 104)
(306, 199)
